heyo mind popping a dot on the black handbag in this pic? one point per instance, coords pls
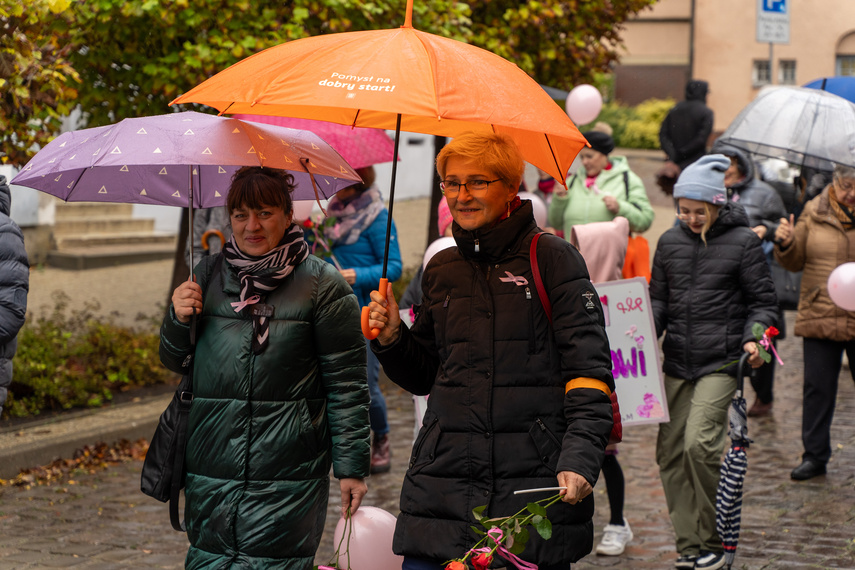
(787, 286)
(163, 474)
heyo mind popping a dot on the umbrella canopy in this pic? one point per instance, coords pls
(840, 85)
(157, 159)
(728, 499)
(435, 86)
(359, 146)
(802, 126)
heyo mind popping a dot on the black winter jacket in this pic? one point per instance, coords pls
(498, 418)
(14, 284)
(687, 126)
(763, 205)
(707, 297)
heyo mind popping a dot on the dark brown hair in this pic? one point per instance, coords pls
(256, 187)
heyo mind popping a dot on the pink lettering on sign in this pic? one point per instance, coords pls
(631, 305)
(636, 364)
(604, 300)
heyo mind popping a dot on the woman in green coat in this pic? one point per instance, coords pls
(602, 189)
(279, 384)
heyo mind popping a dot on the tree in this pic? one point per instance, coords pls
(560, 43)
(38, 85)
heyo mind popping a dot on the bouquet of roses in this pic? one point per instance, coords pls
(505, 536)
(318, 242)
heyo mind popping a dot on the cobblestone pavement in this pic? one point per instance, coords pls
(102, 520)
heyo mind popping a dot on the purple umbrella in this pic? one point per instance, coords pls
(158, 159)
(180, 159)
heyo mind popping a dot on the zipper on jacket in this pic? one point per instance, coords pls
(687, 352)
(447, 299)
(531, 329)
(545, 430)
(477, 246)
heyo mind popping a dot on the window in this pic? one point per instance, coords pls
(761, 74)
(846, 65)
(787, 72)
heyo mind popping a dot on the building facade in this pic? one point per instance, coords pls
(716, 40)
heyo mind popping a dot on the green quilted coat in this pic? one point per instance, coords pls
(264, 430)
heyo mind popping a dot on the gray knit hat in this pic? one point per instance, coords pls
(703, 180)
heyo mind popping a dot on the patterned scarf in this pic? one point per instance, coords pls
(290, 253)
(353, 216)
(841, 211)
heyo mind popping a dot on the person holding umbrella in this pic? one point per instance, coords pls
(710, 285)
(515, 403)
(358, 240)
(819, 242)
(279, 386)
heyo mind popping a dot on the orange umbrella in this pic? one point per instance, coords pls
(401, 79)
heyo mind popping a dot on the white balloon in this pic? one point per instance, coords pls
(583, 104)
(538, 205)
(303, 209)
(841, 286)
(437, 246)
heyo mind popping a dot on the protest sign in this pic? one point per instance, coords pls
(636, 363)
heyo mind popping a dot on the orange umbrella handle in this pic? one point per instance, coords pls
(370, 333)
(209, 233)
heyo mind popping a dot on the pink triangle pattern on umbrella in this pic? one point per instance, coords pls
(157, 159)
(360, 146)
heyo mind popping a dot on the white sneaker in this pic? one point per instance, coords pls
(615, 539)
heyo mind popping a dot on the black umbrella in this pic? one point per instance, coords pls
(728, 498)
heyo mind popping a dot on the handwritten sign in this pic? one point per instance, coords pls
(636, 364)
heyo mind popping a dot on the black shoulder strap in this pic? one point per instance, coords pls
(626, 183)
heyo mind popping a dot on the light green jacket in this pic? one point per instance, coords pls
(583, 205)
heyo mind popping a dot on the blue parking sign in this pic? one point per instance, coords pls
(777, 6)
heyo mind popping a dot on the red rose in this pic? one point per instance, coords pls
(772, 332)
(456, 565)
(481, 561)
(308, 224)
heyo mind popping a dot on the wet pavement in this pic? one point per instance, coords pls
(101, 520)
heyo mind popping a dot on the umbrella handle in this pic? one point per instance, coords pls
(215, 233)
(370, 333)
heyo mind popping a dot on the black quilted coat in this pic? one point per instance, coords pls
(498, 419)
(707, 297)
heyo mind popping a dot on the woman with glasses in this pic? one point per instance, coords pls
(605, 187)
(823, 238)
(710, 285)
(515, 402)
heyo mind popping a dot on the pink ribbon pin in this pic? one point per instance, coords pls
(241, 305)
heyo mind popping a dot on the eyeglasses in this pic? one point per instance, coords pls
(700, 218)
(451, 188)
(846, 187)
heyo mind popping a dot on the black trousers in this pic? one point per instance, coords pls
(823, 359)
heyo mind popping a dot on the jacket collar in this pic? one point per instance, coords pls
(495, 243)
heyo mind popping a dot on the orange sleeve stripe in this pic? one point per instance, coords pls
(587, 383)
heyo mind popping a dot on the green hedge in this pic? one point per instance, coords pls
(73, 359)
(634, 127)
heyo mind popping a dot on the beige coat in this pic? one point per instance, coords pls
(819, 245)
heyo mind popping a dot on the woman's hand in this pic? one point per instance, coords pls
(611, 203)
(577, 487)
(755, 360)
(352, 491)
(784, 233)
(383, 314)
(760, 231)
(349, 275)
(187, 299)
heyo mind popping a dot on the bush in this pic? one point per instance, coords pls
(635, 127)
(76, 360)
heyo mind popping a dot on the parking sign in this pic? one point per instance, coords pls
(773, 21)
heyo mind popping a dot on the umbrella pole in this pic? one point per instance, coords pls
(190, 200)
(368, 332)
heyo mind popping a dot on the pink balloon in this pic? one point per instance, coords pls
(538, 207)
(583, 104)
(303, 209)
(841, 286)
(370, 541)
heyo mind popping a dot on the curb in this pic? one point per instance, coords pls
(43, 442)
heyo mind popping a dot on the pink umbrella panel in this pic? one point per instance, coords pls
(360, 146)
